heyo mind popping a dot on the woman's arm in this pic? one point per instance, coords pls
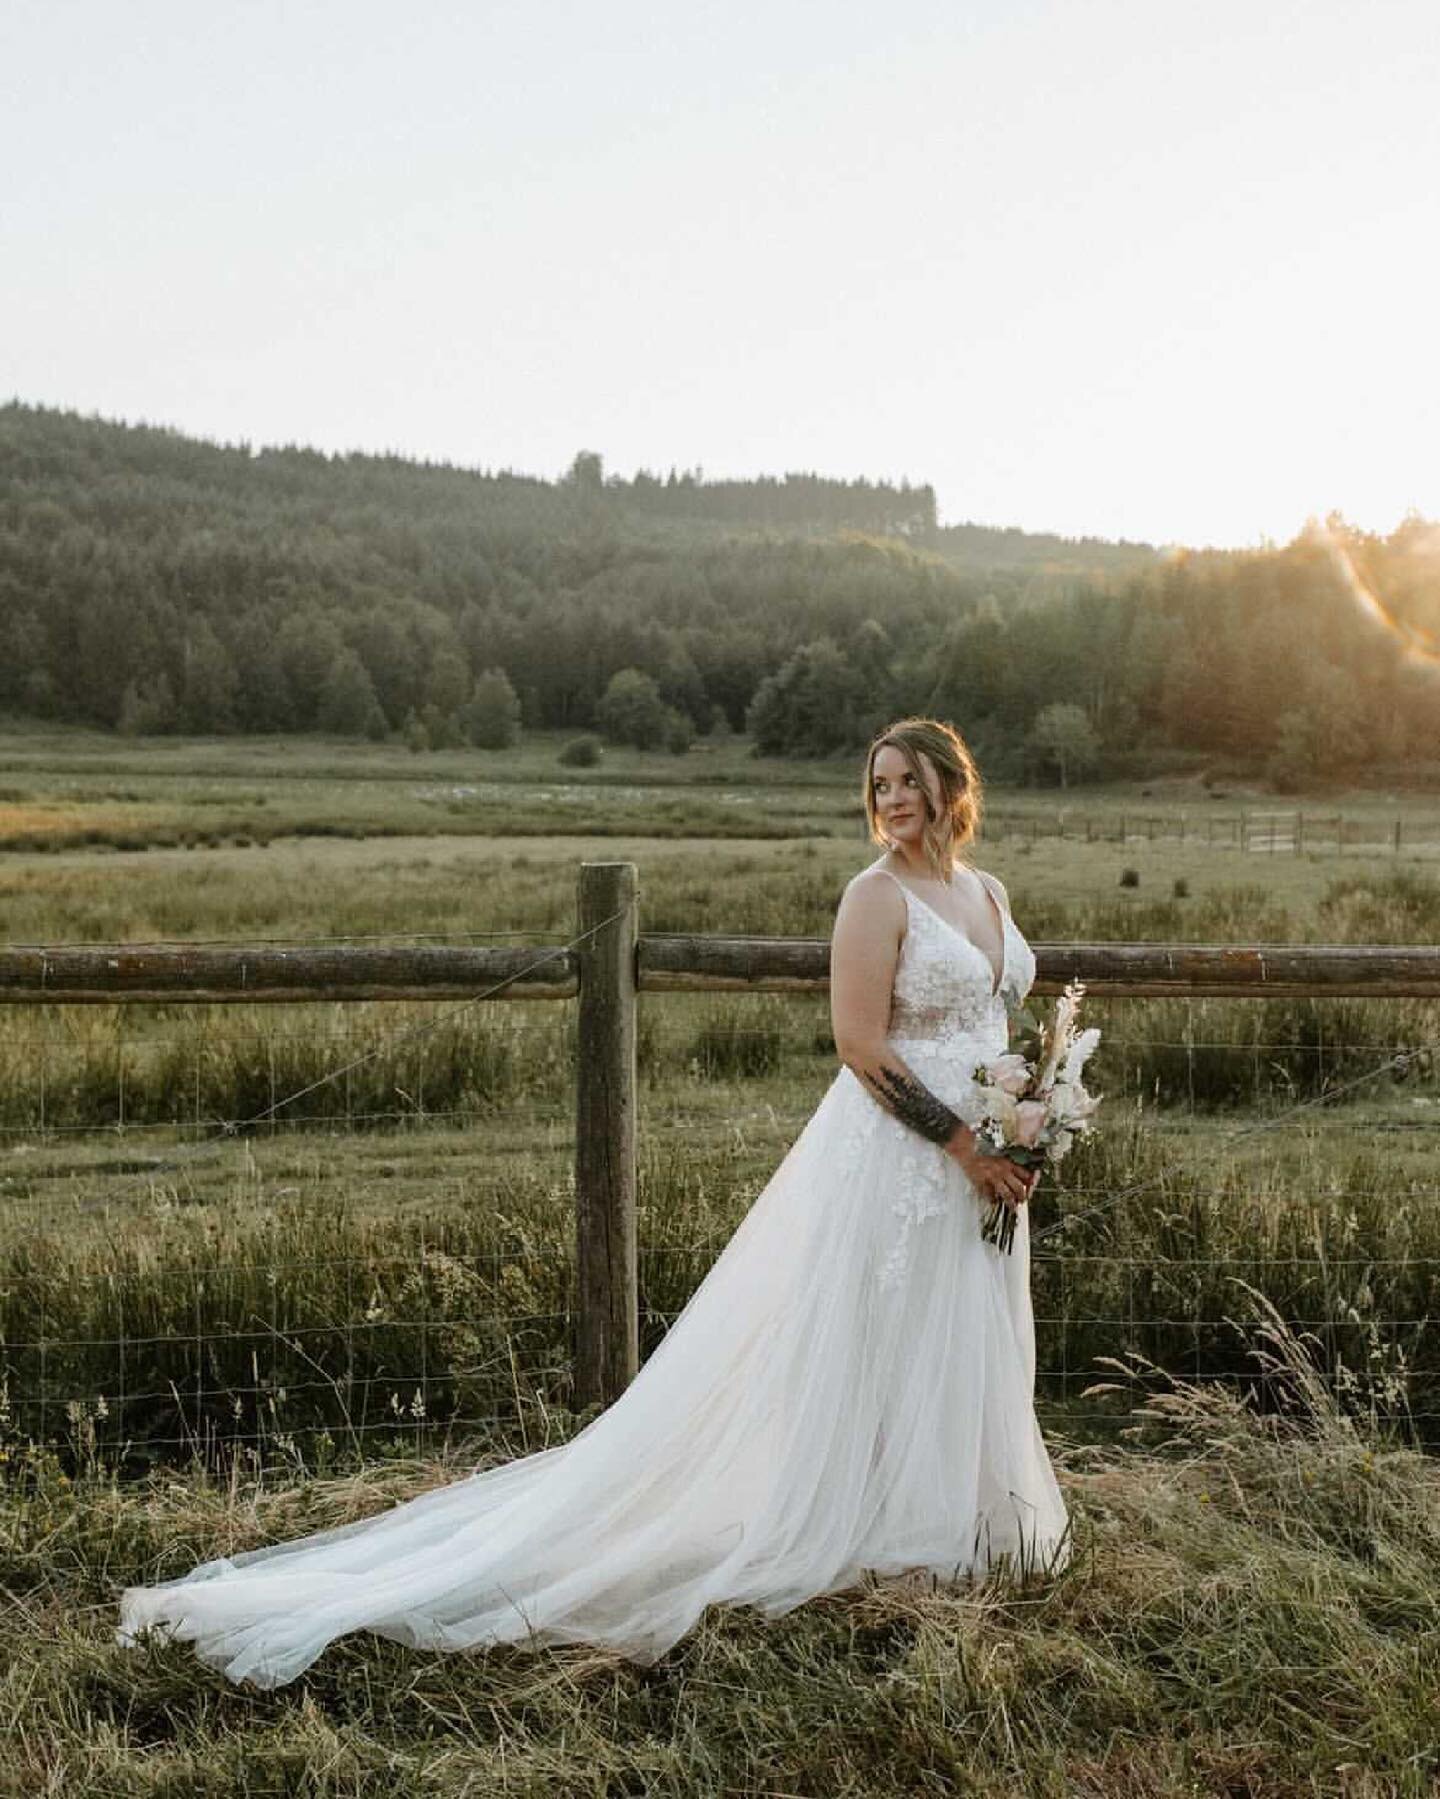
(864, 949)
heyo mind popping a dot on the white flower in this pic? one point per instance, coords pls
(1067, 1009)
(1079, 1054)
(1001, 1107)
(1070, 1104)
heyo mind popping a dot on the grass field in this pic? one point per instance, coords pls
(71, 789)
(210, 1342)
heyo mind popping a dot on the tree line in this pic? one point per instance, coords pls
(152, 583)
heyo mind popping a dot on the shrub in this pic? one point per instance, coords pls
(581, 752)
(442, 729)
(631, 710)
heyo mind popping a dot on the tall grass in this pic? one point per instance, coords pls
(289, 1296)
(293, 1302)
(111, 1067)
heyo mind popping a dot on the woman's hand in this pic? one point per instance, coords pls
(994, 1177)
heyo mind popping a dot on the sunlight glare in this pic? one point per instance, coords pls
(1419, 646)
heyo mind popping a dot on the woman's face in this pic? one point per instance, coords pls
(899, 802)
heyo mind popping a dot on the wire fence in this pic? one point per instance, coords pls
(1264, 831)
(325, 1230)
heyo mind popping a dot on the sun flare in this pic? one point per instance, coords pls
(1419, 646)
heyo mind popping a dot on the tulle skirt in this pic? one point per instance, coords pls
(850, 1388)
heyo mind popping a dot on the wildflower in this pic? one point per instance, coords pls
(1077, 1055)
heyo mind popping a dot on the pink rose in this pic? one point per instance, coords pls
(1010, 1073)
(1030, 1116)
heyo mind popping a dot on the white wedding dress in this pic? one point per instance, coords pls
(851, 1387)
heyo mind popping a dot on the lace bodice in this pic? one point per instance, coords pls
(945, 987)
(947, 1013)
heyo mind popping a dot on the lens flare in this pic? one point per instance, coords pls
(1419, 646)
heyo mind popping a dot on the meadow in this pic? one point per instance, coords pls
(65, 788)
(213, 1338)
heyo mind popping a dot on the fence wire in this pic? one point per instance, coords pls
(298, 1230)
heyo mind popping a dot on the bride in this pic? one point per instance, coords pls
(849, 1389)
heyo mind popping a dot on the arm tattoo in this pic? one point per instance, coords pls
(913, 1103)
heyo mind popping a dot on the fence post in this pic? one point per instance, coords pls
(607, 1318)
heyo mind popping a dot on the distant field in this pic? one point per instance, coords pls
(105, 839)
(66, 790)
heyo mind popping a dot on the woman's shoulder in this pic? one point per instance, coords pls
(876, 892)
(876, 872)
(875, 877)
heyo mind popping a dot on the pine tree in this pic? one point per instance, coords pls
(348, 705)
(491, 720)
(209, 682)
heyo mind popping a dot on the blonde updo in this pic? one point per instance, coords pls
(961, 799)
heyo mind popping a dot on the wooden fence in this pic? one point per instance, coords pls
(605, 967)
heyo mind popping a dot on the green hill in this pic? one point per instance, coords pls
(155, 582)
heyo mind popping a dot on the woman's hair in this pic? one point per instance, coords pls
(961, 798)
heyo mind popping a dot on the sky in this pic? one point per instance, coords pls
(1126, 268)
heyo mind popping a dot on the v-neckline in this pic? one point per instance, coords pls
(957, 932)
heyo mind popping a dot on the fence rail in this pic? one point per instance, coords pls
(680, 963)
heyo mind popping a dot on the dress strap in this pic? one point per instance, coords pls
(988, 881)
(993, 887)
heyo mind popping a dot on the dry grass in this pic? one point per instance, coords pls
(1252, 1609)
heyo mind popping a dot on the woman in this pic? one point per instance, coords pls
(850, 1388)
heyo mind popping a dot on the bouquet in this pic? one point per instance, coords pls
(1033, 1102)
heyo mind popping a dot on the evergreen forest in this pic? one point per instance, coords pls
(153, 583)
